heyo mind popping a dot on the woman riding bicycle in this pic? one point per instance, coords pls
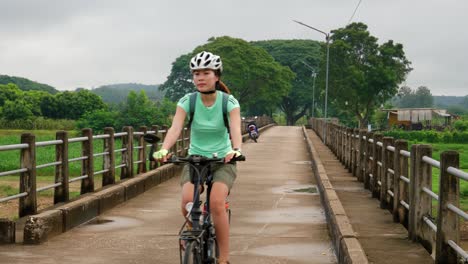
(209, 135)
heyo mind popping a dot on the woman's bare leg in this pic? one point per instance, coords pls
(218, 196)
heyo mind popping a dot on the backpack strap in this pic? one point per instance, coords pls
(193, 100)
(225, 118)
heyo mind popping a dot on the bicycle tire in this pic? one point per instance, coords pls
(192, 254)
(212, 251)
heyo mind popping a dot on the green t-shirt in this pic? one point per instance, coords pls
(208, 134)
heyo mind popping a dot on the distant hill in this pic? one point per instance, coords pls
(116, 93)
(27, 85)
(446, 101)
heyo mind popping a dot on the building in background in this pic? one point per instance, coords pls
(418, 118)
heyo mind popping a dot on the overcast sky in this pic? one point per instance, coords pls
(89, 43)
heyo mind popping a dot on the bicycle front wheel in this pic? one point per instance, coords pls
(192, 253)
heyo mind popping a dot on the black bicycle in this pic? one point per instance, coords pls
(198, 244)
(200, 240)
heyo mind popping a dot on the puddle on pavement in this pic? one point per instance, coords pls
(105, 224)
(298, 214)
(302, 162)
(99, 221)
(297, 189)
(311, 251)
(307, 190)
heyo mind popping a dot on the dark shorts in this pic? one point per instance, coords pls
(225, 173)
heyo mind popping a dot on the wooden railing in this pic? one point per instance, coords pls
(402, 180)
(133, 160)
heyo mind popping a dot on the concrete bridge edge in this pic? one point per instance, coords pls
(346, 244)
(60, 218)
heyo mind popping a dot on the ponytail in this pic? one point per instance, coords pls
(222, 87)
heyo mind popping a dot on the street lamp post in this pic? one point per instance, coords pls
(327, 38)
(314, 75)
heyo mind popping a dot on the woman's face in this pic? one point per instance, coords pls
(205, 80)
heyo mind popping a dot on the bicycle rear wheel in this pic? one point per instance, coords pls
(192, 254)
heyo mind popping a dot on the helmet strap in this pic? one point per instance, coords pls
(212, 91)
(208, 92)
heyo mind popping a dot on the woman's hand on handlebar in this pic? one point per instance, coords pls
(162, 155)
(233, 153)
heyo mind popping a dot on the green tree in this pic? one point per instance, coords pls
(18, 109)
(419, 98)
(98, 120)
(138, 110)
(424, 97)
(298, 55)
(71, 105)
(362, 72)
(9, 92)
(250, 72)
(34, 98)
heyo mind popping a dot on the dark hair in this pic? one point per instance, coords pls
(220, 85)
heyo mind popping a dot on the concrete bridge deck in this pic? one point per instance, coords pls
(275, 217)
(382, 240)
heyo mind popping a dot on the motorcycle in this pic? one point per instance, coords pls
(252, 129)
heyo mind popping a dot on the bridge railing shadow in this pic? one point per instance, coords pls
(401, 179)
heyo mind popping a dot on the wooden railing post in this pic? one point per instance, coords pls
(61, 193)
(338, 142)
(354, 143)
(28, 204)
(87, 165)
(108, 177)
(154, 164)
(361, 155)
(349, 148)
(421, 202)
(384, 179)
(127, 155)
(368, 161)
(448, 226)
(376, 156)
(141, 151)
(400, 166)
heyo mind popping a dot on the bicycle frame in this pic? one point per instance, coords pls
(203, 233)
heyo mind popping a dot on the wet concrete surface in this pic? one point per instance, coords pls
(271, 221)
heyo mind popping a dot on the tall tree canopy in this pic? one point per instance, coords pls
(252, 75)
(298, 55)
(363, 73)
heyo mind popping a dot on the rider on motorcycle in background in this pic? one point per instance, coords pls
(252, 128)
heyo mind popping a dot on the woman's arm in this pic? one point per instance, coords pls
(235, 128)
(174, 132)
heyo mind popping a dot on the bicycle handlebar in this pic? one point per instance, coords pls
(197, 159)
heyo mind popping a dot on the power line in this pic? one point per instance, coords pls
(355, 11)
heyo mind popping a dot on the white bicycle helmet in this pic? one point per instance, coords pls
(206, 60)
